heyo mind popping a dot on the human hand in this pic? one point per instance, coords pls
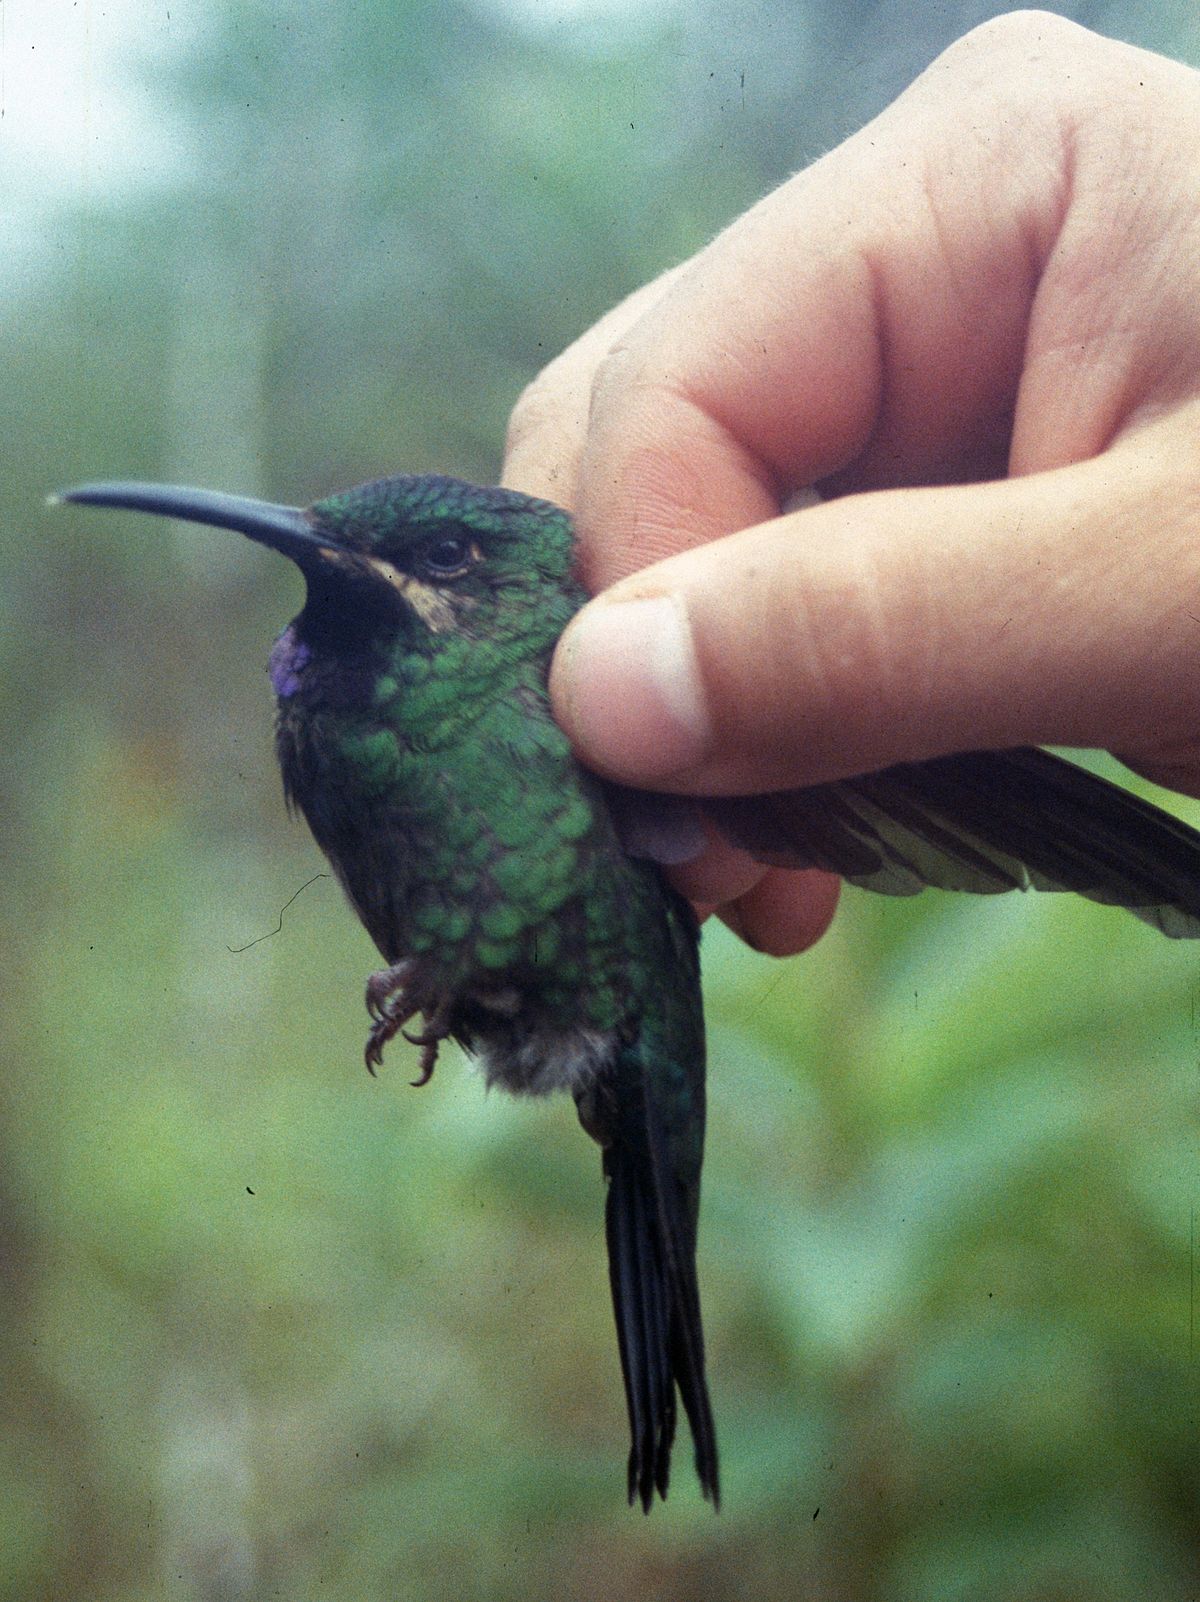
(1000, 274)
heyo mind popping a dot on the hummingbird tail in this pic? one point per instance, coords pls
(656, 1297)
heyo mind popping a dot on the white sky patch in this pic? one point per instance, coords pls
(565, 13)
(79, 115)
(80, 119)
(74, 118)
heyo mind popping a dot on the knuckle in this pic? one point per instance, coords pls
(1031, 54)
(535, 410)
(1017, 34)
(616, 373)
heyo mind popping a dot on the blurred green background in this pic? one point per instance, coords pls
(270, 1328)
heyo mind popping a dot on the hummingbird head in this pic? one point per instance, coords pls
(404, 563)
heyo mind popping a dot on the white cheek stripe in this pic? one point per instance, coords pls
(430, 605)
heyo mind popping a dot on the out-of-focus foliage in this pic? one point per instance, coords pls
(273, 1329)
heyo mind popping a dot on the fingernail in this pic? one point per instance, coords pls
(628, 682)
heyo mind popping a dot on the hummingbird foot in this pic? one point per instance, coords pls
(392, 999)
(391, 1004)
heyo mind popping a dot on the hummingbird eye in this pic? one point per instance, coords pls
(446, 556)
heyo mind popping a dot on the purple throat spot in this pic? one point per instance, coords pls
(289, 657)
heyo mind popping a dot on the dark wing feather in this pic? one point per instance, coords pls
(650, 1222)
(983, 821)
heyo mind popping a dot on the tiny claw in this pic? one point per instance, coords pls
(437, 1028)
(429, 1052)
(424, 1037)
(373, 1055)
(382, 1030)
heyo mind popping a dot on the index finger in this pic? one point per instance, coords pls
(866, 324)
(870, 313)
(548, 426)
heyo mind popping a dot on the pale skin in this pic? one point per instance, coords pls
(976, 327)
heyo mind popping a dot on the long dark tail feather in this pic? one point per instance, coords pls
(656, 1299)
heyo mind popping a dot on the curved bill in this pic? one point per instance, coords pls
(284, 528)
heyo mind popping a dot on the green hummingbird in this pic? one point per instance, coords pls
(518, 901)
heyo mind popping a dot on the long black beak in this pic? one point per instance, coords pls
(286, 529)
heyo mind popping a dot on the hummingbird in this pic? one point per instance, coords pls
(519, 901)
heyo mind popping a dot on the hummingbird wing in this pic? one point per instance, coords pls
(982, 821)
(651, 1231)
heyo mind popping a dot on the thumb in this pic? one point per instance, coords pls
(899, 625)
